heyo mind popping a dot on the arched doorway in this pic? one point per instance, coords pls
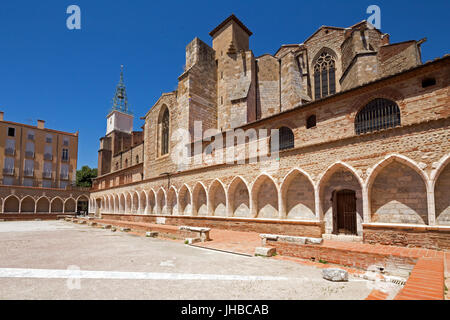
(344, 212)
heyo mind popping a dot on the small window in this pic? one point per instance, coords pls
(117, 166)
(428, 82)
(311, 122)
(379, 114)
(11, 132)
(49, 138)
(31, 135)
(286, 140)
(137, 159)
(65, 154)
(66, 141)
(126, 163)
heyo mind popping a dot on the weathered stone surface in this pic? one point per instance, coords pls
(265, 252)
(192, 240)
(335, 274)
(151, 234)
(125, 229)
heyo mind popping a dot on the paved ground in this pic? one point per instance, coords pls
(44, 260)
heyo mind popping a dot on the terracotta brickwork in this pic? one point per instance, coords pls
(398, 175)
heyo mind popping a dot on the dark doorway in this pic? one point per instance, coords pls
(344, 212)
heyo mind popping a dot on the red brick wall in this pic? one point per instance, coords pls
(292, 228)
(437, 238)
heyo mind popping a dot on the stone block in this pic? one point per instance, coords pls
(314, 240)
(335, 275)
(92, 224)
(265, 251)
(113, 229)
(192, 240)
(151, 234)
(106, 226)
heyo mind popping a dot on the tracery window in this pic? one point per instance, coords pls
(324, 76)
(377, 115)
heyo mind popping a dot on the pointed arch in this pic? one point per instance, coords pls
(163, 129)
(122, 203)
(324, 66)
(217, 199)
(238, 198)
(172, 201)
(339, 177)
(397, 191)
(440, 181)
(142, 202)
(161, 202)
(83, 204)
(116, 204)
(265, 197)
(134, 202)
(199, 200)
(298, 196)
(70, 205)
(11, 204)
(184, 200)
(57, 205)
(151, 202)
(128, 202)
(43, 205)
(27, 205)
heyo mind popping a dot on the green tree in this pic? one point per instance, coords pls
(85, 176)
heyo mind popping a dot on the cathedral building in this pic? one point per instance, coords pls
(358, 142)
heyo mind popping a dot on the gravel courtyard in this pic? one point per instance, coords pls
(60, 260)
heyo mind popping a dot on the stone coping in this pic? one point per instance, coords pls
(239, 219)
(294, 239)
(398, 226)
(195, 229)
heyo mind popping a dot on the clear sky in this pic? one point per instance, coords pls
(68, 77)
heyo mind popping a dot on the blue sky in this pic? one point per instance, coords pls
(68, 77)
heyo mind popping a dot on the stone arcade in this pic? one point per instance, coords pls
(363, 144)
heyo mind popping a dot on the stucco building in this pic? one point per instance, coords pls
(39, 167)
(361, 132)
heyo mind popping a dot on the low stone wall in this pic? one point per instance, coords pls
(282, 227)
(393, 265)
(30, 217)
(420, 236)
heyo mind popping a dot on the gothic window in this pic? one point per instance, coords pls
(324, 76)
(377, 115)
(165, 133)
(286, 138)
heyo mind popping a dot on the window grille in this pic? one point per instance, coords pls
(379, 114)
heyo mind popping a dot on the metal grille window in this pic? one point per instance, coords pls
(377, 115)
(286, 138)
(165, 133)
(324, 76)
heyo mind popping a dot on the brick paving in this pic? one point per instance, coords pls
(232, 241)
(377, 295)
